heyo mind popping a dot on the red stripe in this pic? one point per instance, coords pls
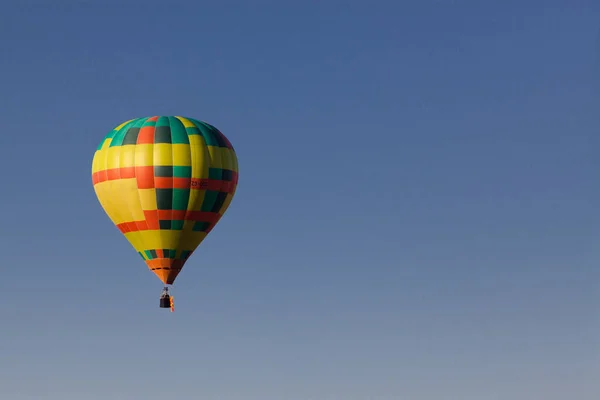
(146, 180)
(145, 177)
(163, 182)
(202, 216)
(113, 174)
(153, 216)
(181, 183)
(167, 215)
(127, 172)
(146, 135)
(216, 185)
(151, 219)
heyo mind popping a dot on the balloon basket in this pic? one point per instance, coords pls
(165, 302)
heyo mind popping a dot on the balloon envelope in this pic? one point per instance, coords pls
(165, 182)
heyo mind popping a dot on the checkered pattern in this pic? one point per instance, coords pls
(165, 182)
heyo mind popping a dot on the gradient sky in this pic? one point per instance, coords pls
(417, 214)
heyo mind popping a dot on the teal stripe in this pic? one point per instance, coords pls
(118, 139)
(209, 138)
(163, 121)
(210, 198)
(178, 132)
(182, 171)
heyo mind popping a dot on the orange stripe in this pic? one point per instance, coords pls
(165, 263)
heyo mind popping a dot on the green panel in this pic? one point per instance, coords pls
(129, 133)
(200, 226)
(164, 199)
(163, 121)
(180, 199)
(192, 130)
(219, 202)
(206, 133)
(182, 172)
(117, 139)
(217, 135)
(209, 200)
(110, 135)
(148, 122)
(177, 224)
(215, 173)
(178, 132)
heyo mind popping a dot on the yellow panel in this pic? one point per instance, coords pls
(110, 202)
(186, 122)
(104, 199)
(227, 154)
(187, 226)
(163, 155)
(200, 162)
(234, 161)
(112, 157)
(128, 193)
(127, 157)
(148, 199)
(196, 199)
(191, 240)
(95, 162)
(144, 155)
(165, 239)
(215, 156)
(196, 140)
(169, 239)
(122, 125)
(182, 155)
(101, 157)
(106, 143)
(226, 159)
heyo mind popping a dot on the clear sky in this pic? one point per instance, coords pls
(416, 218)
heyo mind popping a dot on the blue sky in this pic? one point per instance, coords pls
(416, 218)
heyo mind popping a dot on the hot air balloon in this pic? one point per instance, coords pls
(165, 182)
